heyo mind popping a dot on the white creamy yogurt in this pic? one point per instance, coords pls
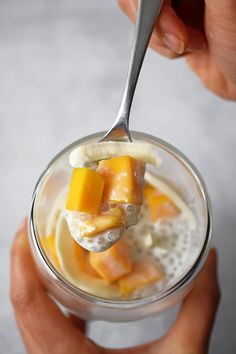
(169, 242)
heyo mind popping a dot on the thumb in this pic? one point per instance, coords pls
(196, 318)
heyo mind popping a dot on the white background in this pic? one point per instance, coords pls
(62, 71)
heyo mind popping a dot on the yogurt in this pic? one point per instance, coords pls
(166, 241)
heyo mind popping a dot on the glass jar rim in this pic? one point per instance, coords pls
(129, 303)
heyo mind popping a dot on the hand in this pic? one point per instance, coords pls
(204, 31)
(45, 329)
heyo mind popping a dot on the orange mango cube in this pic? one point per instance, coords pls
(99, 224)
(144, 272)
(160, 205)
(108, 220)
(86, 190)
(113, 263)
(123, 177)
(82, 256)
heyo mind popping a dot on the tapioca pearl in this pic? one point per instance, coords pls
(111, 236)
(100, 240)
(130, 208)
(171, 261)
(164, 256)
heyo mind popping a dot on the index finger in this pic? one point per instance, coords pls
(34, 309)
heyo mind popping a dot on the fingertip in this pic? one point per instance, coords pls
(213, 264)
(21, 239)
(208, 277)
(163, 50)
(170, 36)
(129, 9)
(22, 227)
(172, 30)
(213, 256)
(173, 42)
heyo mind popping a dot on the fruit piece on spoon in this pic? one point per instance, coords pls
(102, 203)
(85, 191)
(123, 180)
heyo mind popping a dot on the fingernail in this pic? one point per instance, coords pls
(163, 50)
(173, 42)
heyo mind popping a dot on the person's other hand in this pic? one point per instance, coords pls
(45, 329)
(204, 31)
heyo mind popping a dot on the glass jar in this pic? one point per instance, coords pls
(179, 173)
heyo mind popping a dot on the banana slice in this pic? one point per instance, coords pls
(57, 207)
(100, 151)
(69, 265)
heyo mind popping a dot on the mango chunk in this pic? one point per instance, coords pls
(100, 223)
(113, 263)
(48, 244)
(86, 190)
(123, 177)
(144, 272)
(160, 205)
(82, 256)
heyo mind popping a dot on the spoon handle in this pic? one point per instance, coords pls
(148, 11)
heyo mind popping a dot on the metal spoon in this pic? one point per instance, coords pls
(148, 11)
